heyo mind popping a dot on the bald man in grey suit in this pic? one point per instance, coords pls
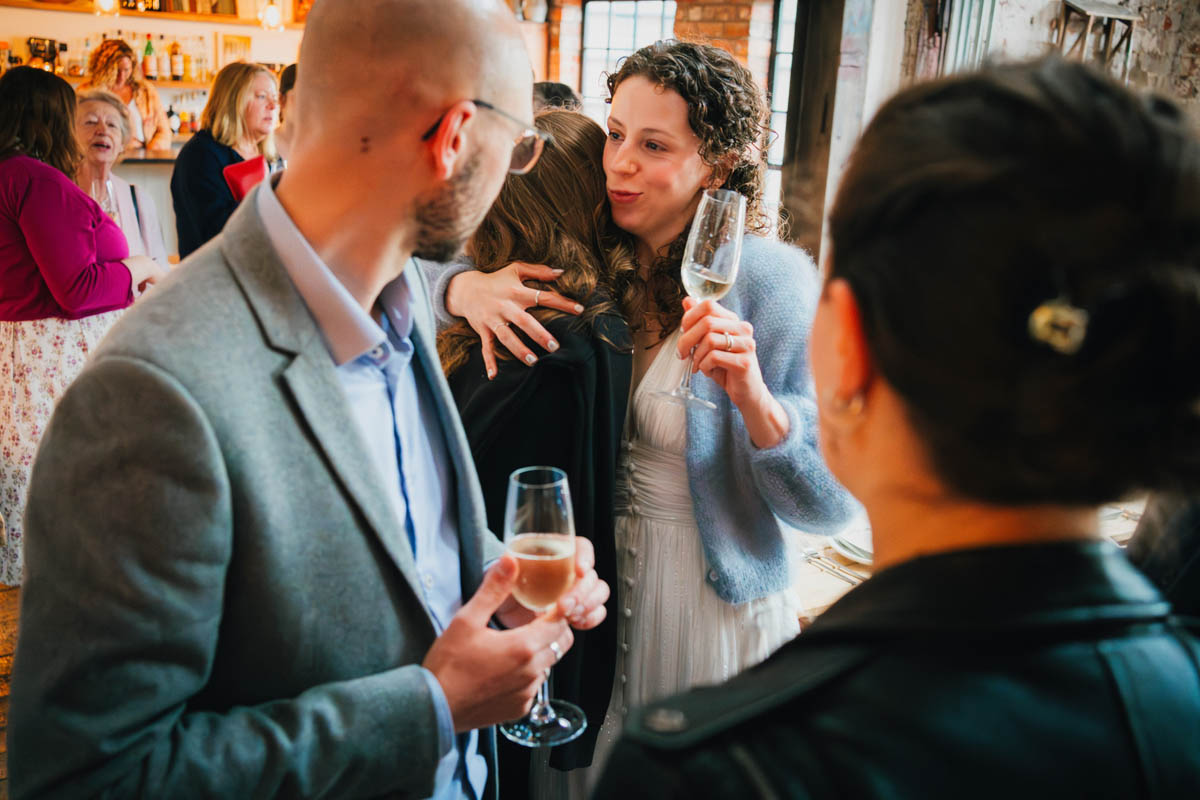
(257, 559)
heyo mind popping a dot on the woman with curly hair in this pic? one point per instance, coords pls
(113, 67)
(701, 555)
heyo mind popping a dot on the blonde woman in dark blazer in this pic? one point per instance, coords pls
(238, 123)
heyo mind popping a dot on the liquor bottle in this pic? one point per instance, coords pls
(177, 64)
(189, 62)
(173, 119)
(164, 58)
(149, 60)
(86, 56)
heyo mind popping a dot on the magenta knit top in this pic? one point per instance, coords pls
(60, 254)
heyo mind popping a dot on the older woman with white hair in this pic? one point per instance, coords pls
(102, 126)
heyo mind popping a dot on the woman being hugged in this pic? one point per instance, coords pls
(701, 556)
(65, 275)
(568, 411)
(113, 67)
(237, 124)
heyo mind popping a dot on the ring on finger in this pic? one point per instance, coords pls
(557, 651)
(499, 325)
(728, 341)
(537, 296)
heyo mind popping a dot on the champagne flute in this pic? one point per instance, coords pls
(710, 265)
(539, 530)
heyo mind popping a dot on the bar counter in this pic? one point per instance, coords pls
(150, 170)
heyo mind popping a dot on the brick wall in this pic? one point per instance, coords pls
(565, 34)
(743, 27)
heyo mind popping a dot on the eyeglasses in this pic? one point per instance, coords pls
(527, 147)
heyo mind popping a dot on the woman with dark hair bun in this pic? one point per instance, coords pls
(1005, 341)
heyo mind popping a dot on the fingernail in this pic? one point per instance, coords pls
(551, 345)
(578, 308)
(491, 374)
(557, 271)
(531, 359)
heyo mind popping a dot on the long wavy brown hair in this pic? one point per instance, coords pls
(102, 66)
(37, 118)
(557, 215)
(729, 113)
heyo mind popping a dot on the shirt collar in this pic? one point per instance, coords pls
(347, 330)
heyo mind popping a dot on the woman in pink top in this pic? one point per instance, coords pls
(65, 274)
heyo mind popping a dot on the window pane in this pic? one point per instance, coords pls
(773, 189)
(782, 82)
(775, 153)
(596, 109)
(595, 27)
(622, 29)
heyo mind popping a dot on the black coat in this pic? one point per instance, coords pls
(1008, 672)
(567, 411)
(202, 199)
(1166, 546)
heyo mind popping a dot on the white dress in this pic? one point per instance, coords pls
(674, 632)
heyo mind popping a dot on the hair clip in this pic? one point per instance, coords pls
(1059, 325)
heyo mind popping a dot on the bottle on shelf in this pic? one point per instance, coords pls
(173, 119)
(189, 61)
(85, 56)
(149, 60)
(176, 61)
(164, 58)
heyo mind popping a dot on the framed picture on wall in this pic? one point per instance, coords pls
(232, 47)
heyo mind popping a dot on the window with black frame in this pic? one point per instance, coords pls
(611, 31)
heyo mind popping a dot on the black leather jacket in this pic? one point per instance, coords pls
(1014, 672)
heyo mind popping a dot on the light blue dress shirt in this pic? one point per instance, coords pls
(390, 400)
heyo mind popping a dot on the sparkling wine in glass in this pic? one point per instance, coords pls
(539, 530)
(710, 265)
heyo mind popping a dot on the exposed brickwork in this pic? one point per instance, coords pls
(743, 27)
(565, 33)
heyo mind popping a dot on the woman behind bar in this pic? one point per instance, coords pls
(568, 411)
(237, 121)
(113, 67)
(1006, 340)
(65, 275)
(103, 128)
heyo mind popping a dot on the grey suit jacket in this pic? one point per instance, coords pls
(218, 603)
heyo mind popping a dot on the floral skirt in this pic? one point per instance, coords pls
(38, 361)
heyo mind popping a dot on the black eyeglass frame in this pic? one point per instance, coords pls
(541, 137)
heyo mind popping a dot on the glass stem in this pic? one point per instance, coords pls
(542, 712)
(685, 387)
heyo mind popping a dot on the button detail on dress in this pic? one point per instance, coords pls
(713, 576)
(666, 720)
(376, 353)
(628, 613)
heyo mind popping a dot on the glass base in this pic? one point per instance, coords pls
(685, 397)
(567, 723)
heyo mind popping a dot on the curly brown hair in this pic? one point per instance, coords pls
(558, 215)
(37, 118)
(728, 112)
(103, 64)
